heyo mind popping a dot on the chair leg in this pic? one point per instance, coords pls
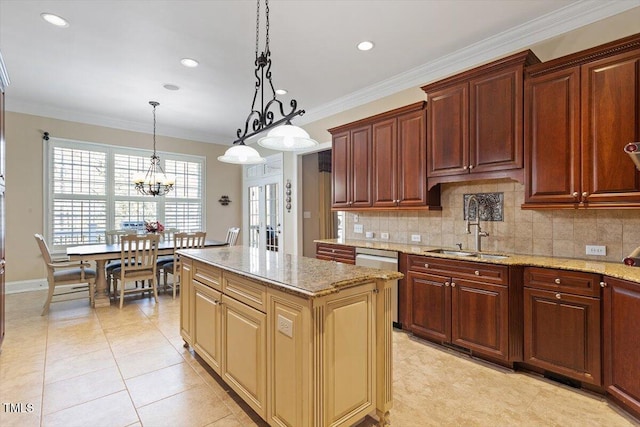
(175, 285)
(154, 285)
(92, 291)
(121, 294)
(47, 303)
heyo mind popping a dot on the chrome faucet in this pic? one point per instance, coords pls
(479, 233)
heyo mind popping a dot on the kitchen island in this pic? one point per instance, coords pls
(304, 342)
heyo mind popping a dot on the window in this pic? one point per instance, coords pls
(88, 190)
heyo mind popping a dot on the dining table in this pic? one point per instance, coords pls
(102, 253)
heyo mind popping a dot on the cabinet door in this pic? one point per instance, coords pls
(622, 341)
(244, 361)
(385, 162)
(480, 317)
(562, 334)
(207, 324)
(340, 159)
(610, 119)
(495, 121)
(412, 159)
(186, 304)
(430, 306)
(448, 131)
(360, 185)
(552, 137)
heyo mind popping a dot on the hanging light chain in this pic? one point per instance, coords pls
(257, 29)
(266, 47)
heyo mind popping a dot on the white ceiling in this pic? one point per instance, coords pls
(116, 55)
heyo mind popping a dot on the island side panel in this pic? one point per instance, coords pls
(384, 351)
(186, 312)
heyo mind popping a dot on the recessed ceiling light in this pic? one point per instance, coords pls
(365, 45)
(56, 20)
(170, 87)
(188, 62)
(281, 91)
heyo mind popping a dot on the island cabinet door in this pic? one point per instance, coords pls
(430, 306)
(207, 324)
(480, 317)
(244, 361)
(344, 348)
(186, 305)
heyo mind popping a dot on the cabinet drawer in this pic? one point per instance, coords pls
(207, 275)
(340, 253)
(498, 274)
(573, 282)
(251, 293)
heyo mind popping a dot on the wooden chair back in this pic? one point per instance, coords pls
(232, 236)
(112, 237)
(138, 255)
(168, 234)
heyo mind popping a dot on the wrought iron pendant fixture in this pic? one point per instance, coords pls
(155, 182)
(282, 134)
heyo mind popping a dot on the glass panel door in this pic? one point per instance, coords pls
(254, 216)
(272, 216)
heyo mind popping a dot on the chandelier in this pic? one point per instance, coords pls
(282, 134)
(155, 182)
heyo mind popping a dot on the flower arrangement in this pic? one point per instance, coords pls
(153, 226)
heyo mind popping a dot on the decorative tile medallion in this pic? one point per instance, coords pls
(491, 207)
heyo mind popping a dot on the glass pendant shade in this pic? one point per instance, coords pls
(287, 138)
(242, 155)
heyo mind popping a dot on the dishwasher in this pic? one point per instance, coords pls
(383, 260)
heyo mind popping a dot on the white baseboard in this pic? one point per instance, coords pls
(26, 286)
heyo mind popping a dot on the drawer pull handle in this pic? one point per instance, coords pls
(333, 251)
(446, 283)
(603, 284)
(453, 285)
(477, 273)
(557, 281)
(426, 265)
(558, 296)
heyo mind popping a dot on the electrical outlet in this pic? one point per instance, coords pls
(384, 236)
(596, 250)
(285, 326)
(356, 217)
(369, 234)
(415, 238)
(358, 228)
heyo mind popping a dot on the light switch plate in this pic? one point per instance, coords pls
(356, 217)
(358, 228)
(384, 236)
(596, 250)
(306, 214)
(285, 326)
(415, 238)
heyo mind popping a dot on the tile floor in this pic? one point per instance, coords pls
(110, 367)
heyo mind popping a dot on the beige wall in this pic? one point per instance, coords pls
(24, 196)
(310, 203)
(560, 233)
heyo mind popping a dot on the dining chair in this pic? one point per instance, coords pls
(166, 236)
(65, 273)
(112, 237)
(232, 236)
(181, 241)
(138, 256)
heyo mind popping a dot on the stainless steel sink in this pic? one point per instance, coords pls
(467, 254)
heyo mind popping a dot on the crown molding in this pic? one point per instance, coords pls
(523, 36)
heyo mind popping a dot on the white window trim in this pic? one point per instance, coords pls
(47, 183)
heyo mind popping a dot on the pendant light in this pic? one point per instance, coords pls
(282, 134)
(155, 182)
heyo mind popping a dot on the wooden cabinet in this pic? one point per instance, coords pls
(339, 253)
(562, 323)
(621, 341)
(472, 305)
(380, 162)
(580, 111)
(351, 168)
(474, 124)
(207, 327)
(186, 304)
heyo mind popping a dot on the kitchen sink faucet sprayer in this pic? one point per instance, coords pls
(479, 233)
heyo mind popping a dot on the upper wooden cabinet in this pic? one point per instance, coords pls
(580, 112)
(474, 122)
(380, 162)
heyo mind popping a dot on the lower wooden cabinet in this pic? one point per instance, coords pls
(464, 303)
(561, 324)
(207, 327)
(622, 342)
(339, 253)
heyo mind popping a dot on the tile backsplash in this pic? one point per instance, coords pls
(560, 233)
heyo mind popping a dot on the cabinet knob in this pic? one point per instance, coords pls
(465, 167)
(426, 265)
(585, 194)
(453, 284)
(470, 166)
(477, 273)
(557, 281)
(603, 284)
(446, 283)
(558, 296)
(350, 203)
(575, 194)
(398, 201)
(333, 250)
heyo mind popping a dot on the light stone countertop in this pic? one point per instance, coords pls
(618, 270)
(303, 276)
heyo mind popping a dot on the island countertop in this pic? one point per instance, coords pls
(307, 277)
